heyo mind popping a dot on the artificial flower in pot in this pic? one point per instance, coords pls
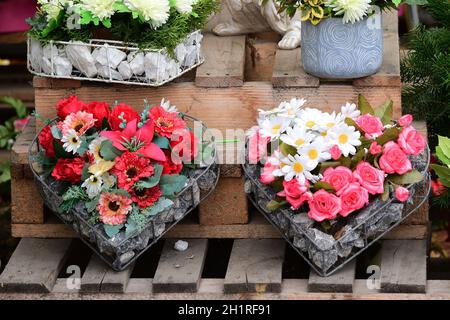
(341, 39)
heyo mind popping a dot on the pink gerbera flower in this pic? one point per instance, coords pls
(113, 208)
(80, 122)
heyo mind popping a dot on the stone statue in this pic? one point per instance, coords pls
(250, 16)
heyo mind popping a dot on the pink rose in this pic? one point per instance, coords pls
(394, 160)
(375, 148)
(335, 152)
(411, 141)
(294, 192)
(267, 176)
(353, 198)
(324, 206)
(338, 177)
(369, 177)
(371, 125)
(402, 194)
(257, 147)
(406, 120)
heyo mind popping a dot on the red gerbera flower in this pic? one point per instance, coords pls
(129, 168)
(146, 197)
(165, 122)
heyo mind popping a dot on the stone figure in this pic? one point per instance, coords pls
(250, 16)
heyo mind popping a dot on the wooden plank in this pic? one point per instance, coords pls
(255, 266)
(224, 62)
(19, 151)
(390, 21)
(226, 205)
(92, 278)
(43, 82)
(288, 71)
(257, 228)
(260, 56)
(26, 203)
(116, 281)
(180, 271)
(404, 266)
(341, 281)
(34, 265)
(221, 108)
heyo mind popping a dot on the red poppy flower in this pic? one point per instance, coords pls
(129, 168)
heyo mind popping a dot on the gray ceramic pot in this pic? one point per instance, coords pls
(336, 50)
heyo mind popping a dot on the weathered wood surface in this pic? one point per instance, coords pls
(224, 62)
(341, 281)
(255, 266)
(34, 265)
(403, 266)
(180, 271)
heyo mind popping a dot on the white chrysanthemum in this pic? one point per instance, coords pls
(167, 106)
(273, 127)
(297, 136)
(353, 10)
(346, 138)
(156, 12)
(350, 111)
(93, 185)
(184, 6)
(310, 118)
(296, 167)
(94, 148)
(71, 141)
(51, 8)
(101, 9)
(315, 152)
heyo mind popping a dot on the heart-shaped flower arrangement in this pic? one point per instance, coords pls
(122, 179)
(333, 183)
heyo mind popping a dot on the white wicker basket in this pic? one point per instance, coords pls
(113, 61)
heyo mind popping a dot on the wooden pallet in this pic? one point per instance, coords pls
(246, 269)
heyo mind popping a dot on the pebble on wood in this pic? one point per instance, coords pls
(181, 245)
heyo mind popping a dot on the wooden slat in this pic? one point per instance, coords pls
(19, 151)
(288, 71)
(100, 277)
(221, 108)
(404, 266)
(180, 271)
(341, 281)
(255, 266)
(224, 62)
(34, 265)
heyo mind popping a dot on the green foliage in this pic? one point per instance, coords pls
(71, 197)
(171, 184)
(111, 231)
(8, 132)
(274, 205)
(426, 72)
(443, 173)
(364, 105)
(390, 134)
(443, 150)
(108, 151)
(157, 207)
(153, 180)
(413, 176)
(5, 171)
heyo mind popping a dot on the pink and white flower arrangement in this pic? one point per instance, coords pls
(334, 164)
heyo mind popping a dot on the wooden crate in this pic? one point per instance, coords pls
(248, 269)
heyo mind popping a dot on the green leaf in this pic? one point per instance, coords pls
(121, 7)
(413, 176)
(108, 151)
(444, 145)
(17, 104)
(385, 195)
(85, 172)
(56, 133)
(153, 180)
(323, 185)
(443, 174)
(384, 112)
(274, 205)
(287, 149)
(358, 157)
(364, 105)
(84, 146)
(162, 142)
(121, 192)
(111, 231)
(60, 152)
(107, 23)
(5, 169)
(171, 184)
(92, 204)
(329, 164)
(390, 134)
(441, 156)
(157, 207)
(105, 124)
(131, 227)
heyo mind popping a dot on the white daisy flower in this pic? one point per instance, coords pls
(93, 185)
(291, 109)
(296, 167)
(71, 141)
(94, 148)
(309, 118)
(346, 137)
(156, 12)
(350, 111)
(353, 10)
(297, 136)
(329, 121)
(167, 106)
(315, 153)
(273, 127)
